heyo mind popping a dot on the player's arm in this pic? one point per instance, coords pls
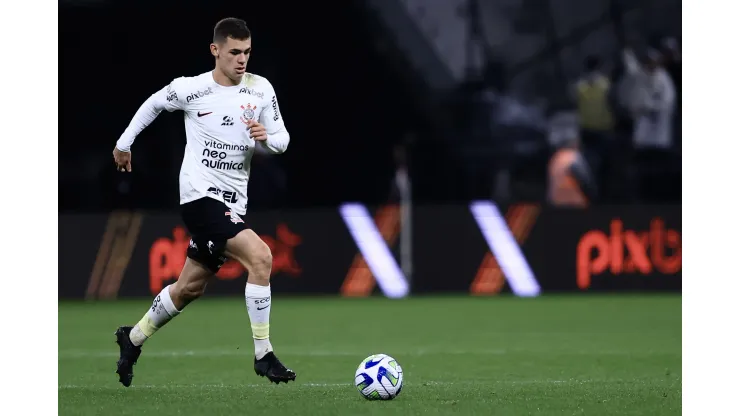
(275, 137)
(164, 99)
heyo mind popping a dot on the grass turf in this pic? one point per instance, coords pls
(592, 355)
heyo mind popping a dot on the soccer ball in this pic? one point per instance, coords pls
(379, 377)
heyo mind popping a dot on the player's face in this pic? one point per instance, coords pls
(232, 57)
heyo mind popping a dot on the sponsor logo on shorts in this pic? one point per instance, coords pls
(235, 218)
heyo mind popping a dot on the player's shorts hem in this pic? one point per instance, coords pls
(211, 224)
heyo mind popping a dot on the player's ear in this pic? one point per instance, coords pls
(214, 50)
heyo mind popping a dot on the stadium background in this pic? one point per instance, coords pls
(460, 101)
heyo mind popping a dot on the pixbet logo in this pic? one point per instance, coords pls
(628, 251)
(199, 94)
(252, 92)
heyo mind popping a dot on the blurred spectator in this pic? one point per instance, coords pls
(570, 181)
(672, 62)
(650, 94)
(596, 117)
(672, 58)
(592, 91)
(651, 97)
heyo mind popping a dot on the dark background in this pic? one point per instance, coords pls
(351, 97)
(348, 94)
(447, 257)
(343, 106)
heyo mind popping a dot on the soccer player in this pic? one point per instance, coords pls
(228, 112)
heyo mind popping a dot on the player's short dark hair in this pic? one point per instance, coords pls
(230, 27)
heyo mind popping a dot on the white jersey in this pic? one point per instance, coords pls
(218, 150)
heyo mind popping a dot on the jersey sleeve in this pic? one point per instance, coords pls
(165, 99)
(277, 135)
(174, 96)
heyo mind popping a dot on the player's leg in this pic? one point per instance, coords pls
(249, 249)
(203, 218)
(172, 299)
(167, 304)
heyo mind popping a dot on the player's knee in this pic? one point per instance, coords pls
(259, 265)
(253, 253)
(263, 259)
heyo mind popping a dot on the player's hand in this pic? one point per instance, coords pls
(122, 159)
(257, 131)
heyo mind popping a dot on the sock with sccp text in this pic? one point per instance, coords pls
(259, 301)
(161, 312)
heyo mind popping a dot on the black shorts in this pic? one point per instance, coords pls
(210, 223)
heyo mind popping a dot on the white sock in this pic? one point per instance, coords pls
(259, 301)
(161, 312)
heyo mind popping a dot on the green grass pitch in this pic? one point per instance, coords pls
(553, 355)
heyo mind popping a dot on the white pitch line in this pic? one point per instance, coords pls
(331, 385)
(83, 354)
(196, 386)
(77, 354)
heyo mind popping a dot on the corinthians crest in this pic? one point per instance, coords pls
(248, 113)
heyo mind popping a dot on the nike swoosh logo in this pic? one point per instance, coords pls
(259, 309)
(371, 363)
(204, 114)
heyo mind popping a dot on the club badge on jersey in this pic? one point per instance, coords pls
(248, 113)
